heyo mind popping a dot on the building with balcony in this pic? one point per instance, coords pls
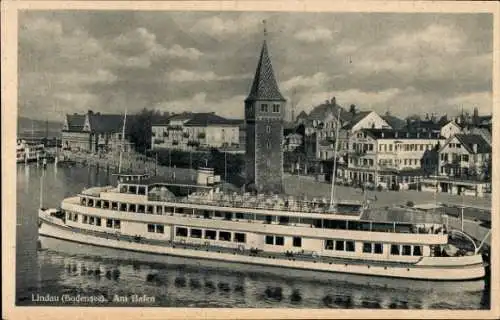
(390, 157)
(465, 156)
(94, 132)
(188, 131)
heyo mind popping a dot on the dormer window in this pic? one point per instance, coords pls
(263, 108)
(276, 108)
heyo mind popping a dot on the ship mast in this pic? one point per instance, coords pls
(123, 142)
(332, 194)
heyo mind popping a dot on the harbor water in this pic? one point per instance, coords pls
(126, 279)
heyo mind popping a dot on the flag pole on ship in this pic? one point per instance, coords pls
(334, 173)
(123, 142)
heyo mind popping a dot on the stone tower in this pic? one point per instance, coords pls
(264, 116)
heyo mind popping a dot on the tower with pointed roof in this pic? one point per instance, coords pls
(264, 117)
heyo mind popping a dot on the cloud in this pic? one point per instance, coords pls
(189, 76)
(179, 52)
(314, 35)
(318, 80)
(232, 107)
(218, 26)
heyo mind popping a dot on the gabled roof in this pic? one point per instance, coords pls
(302, 115)
(469, 140)
(206, 119)
(75, 122)
(264, 86)
(106, 123)
(356, 118)
(395, 122)
(319, 112)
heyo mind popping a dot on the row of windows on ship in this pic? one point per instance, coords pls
(239, 237)
(263, 218)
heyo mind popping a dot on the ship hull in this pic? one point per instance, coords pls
(50, 229)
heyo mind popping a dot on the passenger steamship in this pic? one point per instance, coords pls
(142, 215)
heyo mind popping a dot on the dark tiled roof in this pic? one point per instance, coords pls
(356, 119)
(319, 112)
(395, 122)
(106, 123)
(302, 115)
(400, 134)
(264, 85)
(468, 140)
(75, 122)
(205, 119)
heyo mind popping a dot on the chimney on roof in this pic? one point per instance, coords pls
(382, 134)
(334, 101)
(418, 134)
(474, 147)
(90, 112)
(395, 134)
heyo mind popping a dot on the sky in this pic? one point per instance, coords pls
(112, 61)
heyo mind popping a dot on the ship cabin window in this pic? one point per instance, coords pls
(142, 190)
(141, 208)
(117, 224)
(114, 205)
(181, 232)
(169, 210)
(151, 228)
(329, 244)
(149, 209)
(196, 233)
(228, 216)
(132, 189)
(269, 219)
(105, 204)
(109, 223)
(91, 203)
(297, 242)
(218, 214)
(132, 208)
(269, 240)
(284, 220)
(417, 250)
(406, 250)
(98, 221)
(123, 207)
(123, 189)
(160, 228)
(239, 237)
(98, 203)
(85, 219)
(379, 249)
(395, 249)
(83, 201)
(367, 247)
(75, 217)
(349, 246)
(339, 245)
(279, 241)
(179, 210)
(91, 220)
(224, 236)
(159, 210)
(206, 214)
(239, 215)
(210, 234)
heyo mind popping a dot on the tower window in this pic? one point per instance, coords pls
(269, 144)
(263, 108)
(268, 129)
(276, 108)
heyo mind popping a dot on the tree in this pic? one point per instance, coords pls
(352, 109)
(139, 128)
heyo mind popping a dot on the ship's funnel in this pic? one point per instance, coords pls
(205, 176)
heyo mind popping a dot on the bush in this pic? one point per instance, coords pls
(410, 204)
